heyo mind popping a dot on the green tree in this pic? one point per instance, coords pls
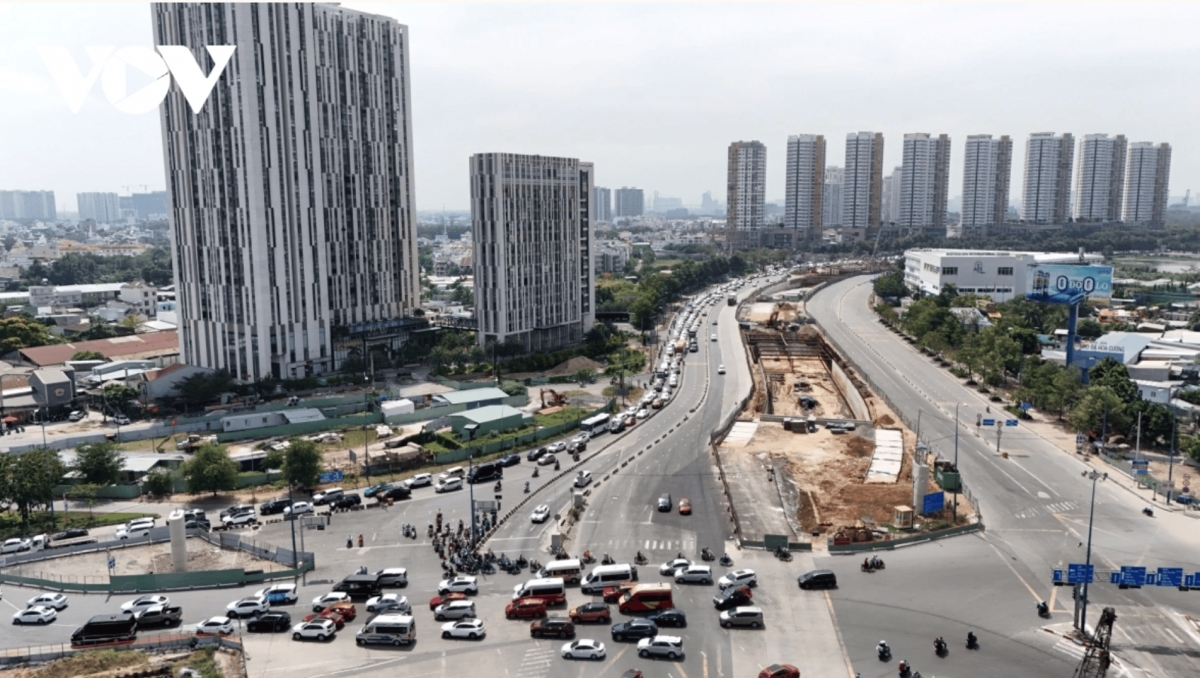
(891, 284)
(1100, 408)
(21, 331)
(585, 375)
(302, 463)
(118, 396)
(204, 387)
(1088, 328)
(1110, 373)
(274, 459)
(970, 359)
(130, 322)
(87, 355)
(159, 483)
(31, 478)
(1156, 422)
(210, 470)
(99, 463)
(100, 329)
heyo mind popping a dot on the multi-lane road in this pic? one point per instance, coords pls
(1035, 505)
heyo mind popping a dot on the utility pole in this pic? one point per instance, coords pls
(1170, 462)
(956, 462)
(470, 429)
(1093, 476)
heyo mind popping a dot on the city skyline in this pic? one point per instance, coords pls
(665, 142)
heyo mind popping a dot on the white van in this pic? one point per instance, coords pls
(388, 629)
(453, 472)
(569, 570)
(448, 485)
(552, 590)
(603, 576)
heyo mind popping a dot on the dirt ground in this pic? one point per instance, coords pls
(148, 559)
(107, 663)
(815, 382)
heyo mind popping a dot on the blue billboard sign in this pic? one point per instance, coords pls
(933, 502)
(330, 477)
(1064, 283)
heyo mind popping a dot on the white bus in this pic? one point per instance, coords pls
(594, 425)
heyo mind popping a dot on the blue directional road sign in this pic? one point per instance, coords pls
(933, 502)
(1026, 406)
(1141, 466)
(1170, 576)
(330, 477)
(1057, 576)
(1010, 422)
(1189, 580)
(1132, 576)
(1078, 573)
(989, 422)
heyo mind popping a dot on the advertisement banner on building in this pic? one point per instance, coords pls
(1061, 283)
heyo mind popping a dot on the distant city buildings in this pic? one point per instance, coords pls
(102, 208)
(144, 206)
(889, 210)
(987, 170)
(291, 190)
(534, 272)
(630, 202)
(746, 188)
(924, 180)
(611, 256)
(831, 198)
(18, 205)
(863, 184)
(602, 204)
(805, 188)
(1100, 178)
(1146, 178)
(1048, 160)
(665, 204)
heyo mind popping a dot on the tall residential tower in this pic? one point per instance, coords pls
(746, 190)
(630, 202)
(602, 204)
(1147, 176)
(805, 186)
(987, 171)
(924, 179)
(1100, 178)
(831, 200)
(1048, 161)
(863, 184)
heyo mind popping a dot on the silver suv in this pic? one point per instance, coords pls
(670, 647)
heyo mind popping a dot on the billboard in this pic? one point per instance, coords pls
(1061, 283)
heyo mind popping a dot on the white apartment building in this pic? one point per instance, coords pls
(805, 188)
(889, 210)
(1048, 160)
(998, 274)
(534, 273)
(1100, 178)
(291, 191)
(610, 256)
(924, 178)
(1147, 178)
(831, 200)
(602, 205)
(103, 208)
(747, 186)
(863, 183)
(987, 170)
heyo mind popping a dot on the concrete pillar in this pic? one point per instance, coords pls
(178, 540)
(920, 483)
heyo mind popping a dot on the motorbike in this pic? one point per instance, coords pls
(607, 560)
(707, 555)
(588, 558)
(557, 465)
(972, 641)
(726, 561)
(526, 487)
(521, 562)
(783, 554)
(534, 565)
(535, 472)
(497, 486)
(883, 652)
(1148, 511)
(939, 647)
(1043, 609)
(640, 559)
(904, 670)
(487, 568)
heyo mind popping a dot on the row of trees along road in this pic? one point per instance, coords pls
(1006, 354)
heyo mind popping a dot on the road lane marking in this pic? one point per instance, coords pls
(704, 663)
(1004, 559)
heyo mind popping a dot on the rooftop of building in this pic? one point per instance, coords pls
(474, 395)
(1039, 257)
(150, 344)
(484, 415)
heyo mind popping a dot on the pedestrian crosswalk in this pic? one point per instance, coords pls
(1047, 509)
(536, 662)
(685, 545)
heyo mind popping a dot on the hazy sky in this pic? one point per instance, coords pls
(654, 94)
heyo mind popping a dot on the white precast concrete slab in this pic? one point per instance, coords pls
(888, 457)
(741, 433)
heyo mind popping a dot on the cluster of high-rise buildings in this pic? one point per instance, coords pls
(27, 205)
(1114, 182)
(622, 202)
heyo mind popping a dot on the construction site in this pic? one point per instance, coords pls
(840, 460)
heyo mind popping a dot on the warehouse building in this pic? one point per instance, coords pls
(999, 274)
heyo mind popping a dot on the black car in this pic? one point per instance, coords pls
(634, 629)
(535, 453)
(818, 579)
(347, 501)
(271, 622)
(510, 460)
(70, 533)
(732, 597)
(397, 492)
(274, 506)
(197, 524)
(675, 618)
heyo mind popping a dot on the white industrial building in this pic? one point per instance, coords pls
(998, 274)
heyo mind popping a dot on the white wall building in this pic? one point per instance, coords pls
(103, 208)
(602, 205)
(1099, 178)
(999, 274)
(863, 183)
(291, 191)
(1048, 161)
(805, 185)
(987, 170)
(1146, 183)
(831, 201)
(531, 225)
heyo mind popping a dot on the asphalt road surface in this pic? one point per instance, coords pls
(1035, 508)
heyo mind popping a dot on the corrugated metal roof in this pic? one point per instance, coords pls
(471, 396)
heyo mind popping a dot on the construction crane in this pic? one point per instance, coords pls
(1096, 660)
(878, 235)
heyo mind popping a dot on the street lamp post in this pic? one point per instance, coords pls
(1092, 476)
(471, 429)
(1170, 460)
(956, 462)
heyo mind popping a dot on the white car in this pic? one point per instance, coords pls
(241, 519)
(583, 479)
(319, 629)
(464, 628)
(247, 607)
(77, 415)
(581, 438)
(720, 369)
(743, 577)
(448, 485)
(320, 602)
(55, 600)
(16, 545)
(694, 574)
(143, 602)
(35, 615)
(279, 594)
(584, 648)
(222, 626)
(136, 532)
(387, 602)
(120, 420)
(643, 413)
(419, 480)
(460, 584)
(660, 646)
(299, 508)
(455, 609)
(541, 514)
(669, 567)
(556, 447)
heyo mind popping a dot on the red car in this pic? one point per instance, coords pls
(613, 594)
(590, 612)
(779, 671)
(329, 613)
(439, 600)
(685, 507)
(525, 608)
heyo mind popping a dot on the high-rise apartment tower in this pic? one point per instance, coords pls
(1100, 178)
(924, 178)
(987, 171)
(1147, 176)
(630, 202)
(863, 184)
(103, 208)
(746, 190)
(602, 204)
(805, 190)
(831, 202)
(1048, 160)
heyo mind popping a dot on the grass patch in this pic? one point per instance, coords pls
(560, 417)
(353, 437)
(635, 392)
(92, 662)
(40, 521)
(203, 661)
